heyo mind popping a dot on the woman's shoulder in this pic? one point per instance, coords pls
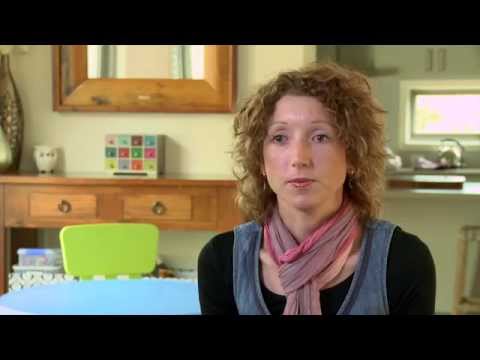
(403, 242)
(409, 257)
(220, 245)
(406, 243)
(411, 279)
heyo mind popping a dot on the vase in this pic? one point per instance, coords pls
(5, 153)
(11, 112)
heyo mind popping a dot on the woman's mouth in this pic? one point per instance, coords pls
(300, 183)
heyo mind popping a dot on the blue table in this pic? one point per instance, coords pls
(106, 297)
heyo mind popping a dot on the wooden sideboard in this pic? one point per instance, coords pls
(171, 202)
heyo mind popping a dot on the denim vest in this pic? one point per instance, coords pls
(367, 294)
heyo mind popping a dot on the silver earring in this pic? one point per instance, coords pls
(351, 174)
(265, 182)
(349, 183)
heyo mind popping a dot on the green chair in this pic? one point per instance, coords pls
(109, 250)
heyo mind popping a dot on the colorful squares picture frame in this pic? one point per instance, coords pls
(134, 154)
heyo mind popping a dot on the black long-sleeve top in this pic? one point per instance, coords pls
(411, 282)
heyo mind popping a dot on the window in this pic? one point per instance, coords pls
(436, 109)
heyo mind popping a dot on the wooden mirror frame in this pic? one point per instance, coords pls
(74, 91)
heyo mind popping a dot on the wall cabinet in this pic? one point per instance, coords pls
(431, 61)
(407, 61)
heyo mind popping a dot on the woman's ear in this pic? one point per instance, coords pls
(350, 168)
(351, 171)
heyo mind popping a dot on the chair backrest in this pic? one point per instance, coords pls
(466, 300)
(109, 250)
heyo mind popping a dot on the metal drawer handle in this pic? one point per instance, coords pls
(158, 208)
(64, 206)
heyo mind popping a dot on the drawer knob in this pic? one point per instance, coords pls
(158, 208)
(64, 206)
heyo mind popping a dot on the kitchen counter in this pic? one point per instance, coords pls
(412, 171)
(470, 190)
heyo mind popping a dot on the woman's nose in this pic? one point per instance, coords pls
(301, 155)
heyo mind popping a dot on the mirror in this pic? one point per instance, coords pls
(146, 61)
(144, 78)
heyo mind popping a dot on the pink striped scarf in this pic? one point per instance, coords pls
(307, 267)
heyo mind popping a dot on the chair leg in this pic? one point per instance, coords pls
(459, 291)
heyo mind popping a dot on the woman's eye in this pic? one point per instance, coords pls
(321, 138)
(279, 139)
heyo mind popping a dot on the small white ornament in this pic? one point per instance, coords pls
(46, 158)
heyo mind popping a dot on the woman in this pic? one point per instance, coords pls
(310, 154)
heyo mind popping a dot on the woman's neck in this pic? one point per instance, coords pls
(302, 222)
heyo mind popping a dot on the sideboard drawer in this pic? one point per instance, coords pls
(158, 207)
(71, 206)
(168, 205)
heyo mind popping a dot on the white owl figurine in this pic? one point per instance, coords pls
(46, 158)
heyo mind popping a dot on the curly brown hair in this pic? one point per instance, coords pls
(356, 116)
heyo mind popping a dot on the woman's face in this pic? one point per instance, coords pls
(304, 163)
